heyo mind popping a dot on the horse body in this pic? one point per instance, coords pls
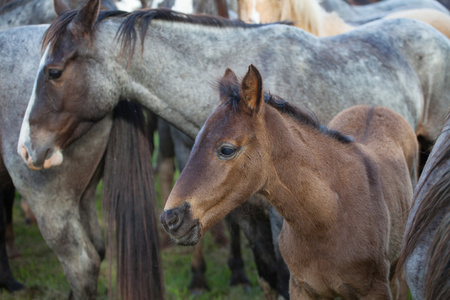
(358, 15)
(393, 74)
(344, 202)
(62, 199)
(425, 250)
(310, 16)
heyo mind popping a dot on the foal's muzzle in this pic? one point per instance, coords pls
(179, 224)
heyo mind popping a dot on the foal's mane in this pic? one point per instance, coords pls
(303, 116)
(126, 33)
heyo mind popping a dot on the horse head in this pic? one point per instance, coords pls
(222, 159)
(61, 109)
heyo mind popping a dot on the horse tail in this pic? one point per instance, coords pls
(433, 205)
(438, 255)
(129, 202)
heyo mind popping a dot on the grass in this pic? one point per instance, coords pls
(42, 274)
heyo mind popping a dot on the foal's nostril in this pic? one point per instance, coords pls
(172, 219)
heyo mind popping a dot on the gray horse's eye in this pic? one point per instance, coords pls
(54, 74)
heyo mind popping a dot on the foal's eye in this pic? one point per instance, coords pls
(226, 151)
(54, 74)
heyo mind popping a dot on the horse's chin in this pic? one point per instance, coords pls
(190, 238)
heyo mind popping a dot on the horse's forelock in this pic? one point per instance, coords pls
(60, 25)
(56, 29)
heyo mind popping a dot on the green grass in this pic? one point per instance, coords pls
(42, 274)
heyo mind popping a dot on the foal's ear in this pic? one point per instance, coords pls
(252, 89)
(85, 19)
(60, 6)
(228, 84)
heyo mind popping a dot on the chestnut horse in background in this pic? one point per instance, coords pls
(425, 254)
(344, 192)
(310, 16)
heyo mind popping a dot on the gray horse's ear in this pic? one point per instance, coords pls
(252, 90)
(84, 21)
(60, 6)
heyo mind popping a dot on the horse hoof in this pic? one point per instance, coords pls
(14, 286)
(13, 252)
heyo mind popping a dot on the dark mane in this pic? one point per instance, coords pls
(127, 30)
(59, 26)
(303, 116)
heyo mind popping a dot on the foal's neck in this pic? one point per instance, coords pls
(307, 169)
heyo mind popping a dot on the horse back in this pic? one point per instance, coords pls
(392, 144)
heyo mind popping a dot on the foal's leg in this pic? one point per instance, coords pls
(198, 267)
(235, 262)
(252, 217)
(283, 274)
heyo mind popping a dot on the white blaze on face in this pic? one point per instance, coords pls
(24, 136)
(25, 129)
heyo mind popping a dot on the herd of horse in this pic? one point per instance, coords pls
(331, 202)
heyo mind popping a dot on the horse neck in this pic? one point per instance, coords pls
(175, 80)
(303, 185)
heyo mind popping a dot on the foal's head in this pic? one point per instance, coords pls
(225, 167)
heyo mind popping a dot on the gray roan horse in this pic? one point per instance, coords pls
(63, 198)
(164, 58)
(426, 256)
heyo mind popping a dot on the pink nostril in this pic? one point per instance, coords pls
(24, 154)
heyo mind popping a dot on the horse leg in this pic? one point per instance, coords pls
(198, 268)
(253, 219)
(7, 279)
(399, 287)
(165, 169)
(88, 214)
(235, 262)
(283, 274)
(59, 223)
(29, 216)
(8, 201)
(218, 233)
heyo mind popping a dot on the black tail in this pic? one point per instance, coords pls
(129, 202)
